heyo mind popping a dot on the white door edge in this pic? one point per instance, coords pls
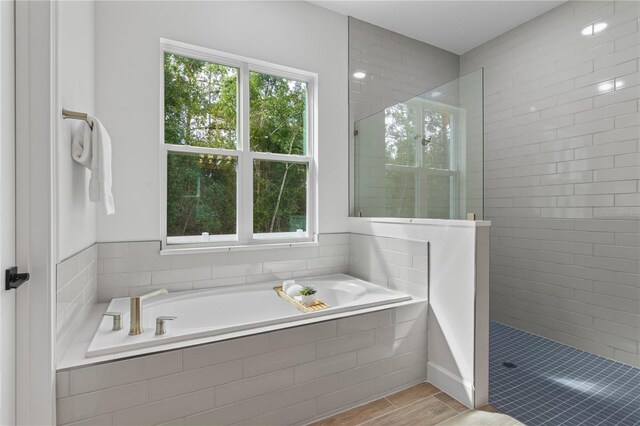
(36, 40)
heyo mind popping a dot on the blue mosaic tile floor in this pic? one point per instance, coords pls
(554, 384)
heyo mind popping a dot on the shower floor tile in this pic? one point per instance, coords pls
(554, 384)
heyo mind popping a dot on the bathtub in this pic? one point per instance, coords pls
(204, 313)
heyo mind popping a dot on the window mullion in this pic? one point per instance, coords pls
(245, 174)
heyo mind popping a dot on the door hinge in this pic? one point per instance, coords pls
(13, 279)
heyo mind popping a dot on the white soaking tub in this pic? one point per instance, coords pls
(203, 313)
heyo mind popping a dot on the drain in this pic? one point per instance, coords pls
(509, 364)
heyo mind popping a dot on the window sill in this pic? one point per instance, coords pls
(171, 251)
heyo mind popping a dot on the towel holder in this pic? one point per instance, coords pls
(74, 115)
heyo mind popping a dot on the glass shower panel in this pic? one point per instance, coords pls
(423, 158)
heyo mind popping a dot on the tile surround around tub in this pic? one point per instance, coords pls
(76, 294)
(288, 376)
(132, 268)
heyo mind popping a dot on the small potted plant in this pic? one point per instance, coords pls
(308, 296)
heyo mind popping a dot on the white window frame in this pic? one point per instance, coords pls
(245, 157)
(419, 171)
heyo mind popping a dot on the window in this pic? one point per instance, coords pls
(237, 149)
(421, 176)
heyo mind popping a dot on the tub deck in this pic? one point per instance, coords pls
(344, 304)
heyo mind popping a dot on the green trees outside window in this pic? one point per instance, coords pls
(277, 111)
(418, 143)
(202, 112)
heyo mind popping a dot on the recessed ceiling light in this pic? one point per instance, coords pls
(435, 94)
(619, 84)
(588, 30)
(359, 75)
(600, 26)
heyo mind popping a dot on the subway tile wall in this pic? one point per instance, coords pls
(283, 377)
(561, 181)
(397, 68)
(76, 293)
(133, 268)
(399, 264)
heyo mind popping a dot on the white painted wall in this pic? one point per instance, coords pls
(76, 214)
(295, 34)
(7, 213)
(561, 179)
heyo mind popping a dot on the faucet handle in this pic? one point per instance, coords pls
(160, 327)
(117, 320)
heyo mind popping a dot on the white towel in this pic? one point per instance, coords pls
(92, 149)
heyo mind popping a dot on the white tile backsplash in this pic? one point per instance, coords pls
(138, 267)
(556, 244)
(391, 262)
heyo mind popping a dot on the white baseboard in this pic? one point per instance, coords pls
(450, 383)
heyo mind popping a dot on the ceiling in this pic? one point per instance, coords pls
(456, 26)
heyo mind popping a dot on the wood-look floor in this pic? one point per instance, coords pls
(423, 405)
